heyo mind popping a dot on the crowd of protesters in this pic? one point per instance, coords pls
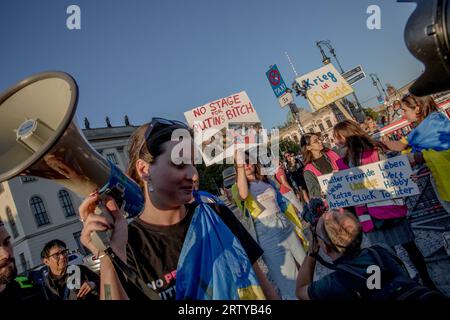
(170, 247)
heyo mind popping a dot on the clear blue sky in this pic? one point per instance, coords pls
(161, 58)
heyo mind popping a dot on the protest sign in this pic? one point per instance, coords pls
(218, 113)
(212, 120)
(379, 181)
(324, 86)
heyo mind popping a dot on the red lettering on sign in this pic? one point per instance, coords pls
(250, 108)
(199, 111)
(229, 114)
(217, 120)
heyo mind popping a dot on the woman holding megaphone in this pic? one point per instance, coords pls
(173, 238)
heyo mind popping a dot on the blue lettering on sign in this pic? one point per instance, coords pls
(319, 80)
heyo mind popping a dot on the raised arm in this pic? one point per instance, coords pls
(241, 179)
(394, 145)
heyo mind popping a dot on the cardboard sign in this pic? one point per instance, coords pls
(379, 181)
(218, 113)
(212, 119)
(324, 86)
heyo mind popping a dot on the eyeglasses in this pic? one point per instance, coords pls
(57, 255)
(159, 121)
(319, 140)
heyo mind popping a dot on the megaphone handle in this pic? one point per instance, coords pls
(101, 239)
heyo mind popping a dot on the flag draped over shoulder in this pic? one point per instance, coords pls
(207, 197)
(212, 264)
(432, 138)
(432, 133)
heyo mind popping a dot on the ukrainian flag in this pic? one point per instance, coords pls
(432, 138)
(212, 264)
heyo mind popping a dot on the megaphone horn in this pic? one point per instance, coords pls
(39, 138)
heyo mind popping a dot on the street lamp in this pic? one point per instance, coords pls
(382, 88)
(376, 81)
(327, 43)
(326, 60)
(294, 111)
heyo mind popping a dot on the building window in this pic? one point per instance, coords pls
(66, 203)
(39, 212)
(12, 222)
(27, 179)
(23, 261)
(112, 157)
(329, 124)
(321, 127)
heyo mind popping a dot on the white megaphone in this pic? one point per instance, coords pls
(39, 138)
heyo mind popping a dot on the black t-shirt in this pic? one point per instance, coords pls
(296, 173)
(153, 251)
(14, 293)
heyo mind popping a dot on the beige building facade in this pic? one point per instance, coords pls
(321, 121)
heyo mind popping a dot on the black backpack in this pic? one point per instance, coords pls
(394, 286)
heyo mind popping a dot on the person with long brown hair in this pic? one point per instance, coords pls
(318, 161)
(429, 140)
(383, 222)
(153, 242)
(276, 234)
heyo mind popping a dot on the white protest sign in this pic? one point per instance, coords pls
(324, 86)
(218, 113)
(379, 181)
(212, 119)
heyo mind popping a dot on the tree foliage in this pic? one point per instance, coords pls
(211, 178)
(289, 145)
(369, 112)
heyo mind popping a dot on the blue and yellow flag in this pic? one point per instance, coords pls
(212, 264)
(432, 138)
(432, 133)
